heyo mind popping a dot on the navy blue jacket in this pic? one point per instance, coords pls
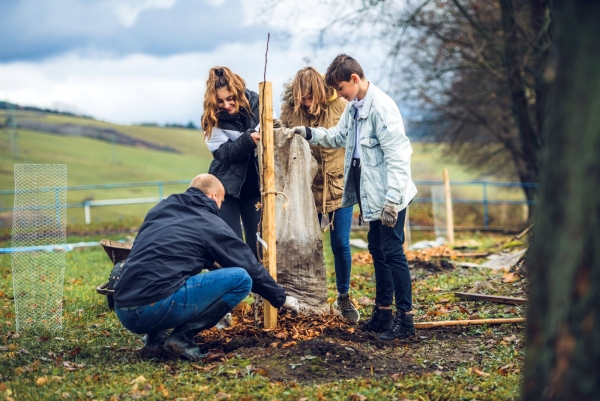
(181, 236)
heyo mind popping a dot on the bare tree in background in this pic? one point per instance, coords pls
(563, 318)
(471, 72)
(483, 63)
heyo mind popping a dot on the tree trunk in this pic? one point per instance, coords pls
(563, 318)
(528, 135)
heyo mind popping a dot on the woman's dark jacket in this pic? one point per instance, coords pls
(235, 164)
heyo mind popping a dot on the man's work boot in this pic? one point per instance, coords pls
(403, 327)
(347, 308)
(381, 320)
(153, 343)
(181, 341)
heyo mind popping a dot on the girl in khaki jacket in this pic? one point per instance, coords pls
(308, 101)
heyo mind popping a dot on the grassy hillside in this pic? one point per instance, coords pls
(92, 161)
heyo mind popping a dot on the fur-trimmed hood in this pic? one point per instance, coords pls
(287, 96)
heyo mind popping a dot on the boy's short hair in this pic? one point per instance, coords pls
(341, 69)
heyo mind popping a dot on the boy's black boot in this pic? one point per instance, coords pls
(153, 343)
(181, 341)
(381, 320)
(403, 327)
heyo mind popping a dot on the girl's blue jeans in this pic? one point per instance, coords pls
(230, 284)
(340, 246)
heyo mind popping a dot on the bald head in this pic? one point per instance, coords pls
(210, 186)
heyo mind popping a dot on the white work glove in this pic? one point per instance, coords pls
(224, 322)
(291, 304)
(300, 130)
(389, 214)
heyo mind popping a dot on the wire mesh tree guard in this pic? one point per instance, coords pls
(39, 219)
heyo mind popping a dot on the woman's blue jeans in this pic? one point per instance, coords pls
(340, 246)
(230, 284)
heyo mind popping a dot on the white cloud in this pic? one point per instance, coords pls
(128, 11)
(141, 87)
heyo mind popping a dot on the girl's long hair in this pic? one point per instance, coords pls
(221, 77)
(308, 82)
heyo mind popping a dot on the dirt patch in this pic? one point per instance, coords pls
(345, 353)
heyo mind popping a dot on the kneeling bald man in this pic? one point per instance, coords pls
(160, 286)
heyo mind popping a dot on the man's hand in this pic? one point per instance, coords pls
(296, 130)
(389, 214)
(255, 137)
(291, 304)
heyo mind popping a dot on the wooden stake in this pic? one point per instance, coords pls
(268, 185)
(449, 214)
(433, 325)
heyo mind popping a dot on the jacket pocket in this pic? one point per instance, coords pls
(335, 183)
(372, 155)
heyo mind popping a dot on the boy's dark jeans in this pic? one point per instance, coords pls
(391, 267)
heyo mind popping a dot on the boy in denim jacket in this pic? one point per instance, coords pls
(376, 176)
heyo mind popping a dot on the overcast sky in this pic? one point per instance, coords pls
(131, 61)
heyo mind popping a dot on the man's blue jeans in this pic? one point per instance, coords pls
(231, 285)
(340, 245)
(392, 276)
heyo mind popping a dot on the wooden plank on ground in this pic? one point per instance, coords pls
(491, 298)
(433, 325)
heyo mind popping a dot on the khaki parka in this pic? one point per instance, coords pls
(329, 181)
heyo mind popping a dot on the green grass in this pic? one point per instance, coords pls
(92, 161)
(32, 366)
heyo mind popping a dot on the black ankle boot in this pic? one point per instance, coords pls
(181, 341)
(381, 320)
(403, 327)
(153, 343)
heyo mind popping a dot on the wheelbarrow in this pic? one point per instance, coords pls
(117, 252)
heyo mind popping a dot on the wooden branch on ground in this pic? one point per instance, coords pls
(433, 325)
(491, 298)
(523, 233)
(472, 254)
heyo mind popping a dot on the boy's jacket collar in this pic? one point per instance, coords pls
(368, 102)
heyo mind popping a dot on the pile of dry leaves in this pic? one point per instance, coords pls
(289, 329)
(423, 255)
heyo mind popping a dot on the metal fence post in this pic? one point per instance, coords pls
(160, 191)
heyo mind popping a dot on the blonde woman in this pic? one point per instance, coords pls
(308, 101)
(229, 123)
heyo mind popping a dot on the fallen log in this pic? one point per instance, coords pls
(491, 298)
(433, 325)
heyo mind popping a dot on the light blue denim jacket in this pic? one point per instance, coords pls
(386, 152)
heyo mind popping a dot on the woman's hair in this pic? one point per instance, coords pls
(221, 77)
(308, 82)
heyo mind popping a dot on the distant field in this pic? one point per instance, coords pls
(92, 161)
